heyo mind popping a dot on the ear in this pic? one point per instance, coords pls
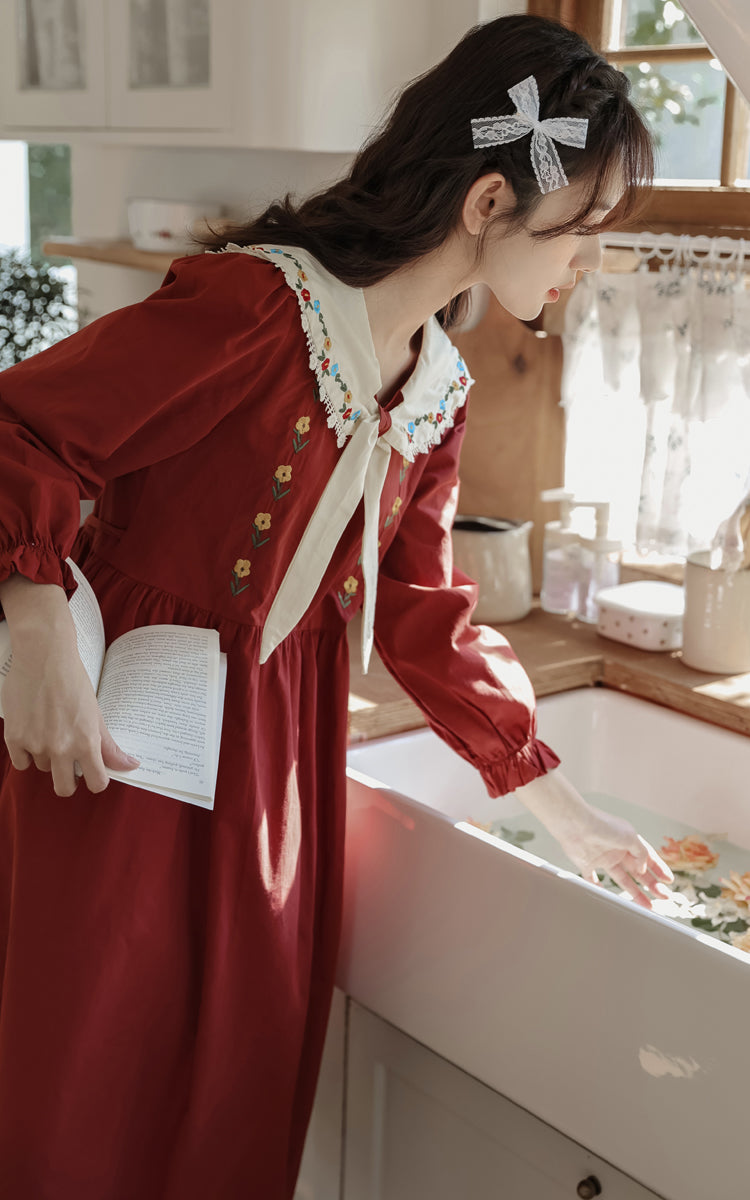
(487, 196)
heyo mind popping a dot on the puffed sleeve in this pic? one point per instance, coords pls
(131, 389)
(465, 678)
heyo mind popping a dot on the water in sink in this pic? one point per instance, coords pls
(670, 775)
(703, 893)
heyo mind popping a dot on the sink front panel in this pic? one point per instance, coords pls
(616, 1026)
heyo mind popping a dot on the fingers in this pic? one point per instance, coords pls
(113, 757)
(19, 757)
(628, 884)
(649, 860)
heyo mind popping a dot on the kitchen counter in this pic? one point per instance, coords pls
(559, 654)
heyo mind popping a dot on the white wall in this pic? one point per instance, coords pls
(103, 177)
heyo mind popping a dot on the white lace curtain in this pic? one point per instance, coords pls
(656, 387)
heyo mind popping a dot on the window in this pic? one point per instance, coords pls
(700, 121)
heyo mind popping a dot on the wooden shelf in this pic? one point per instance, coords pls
(109, 250)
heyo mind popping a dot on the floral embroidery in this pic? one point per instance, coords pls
(281, 476)
(350, 588)
(436, 418)
(240, 571)
(323, 357)
(261, 523)
(405, 464)
(394, 510)
(300, 429)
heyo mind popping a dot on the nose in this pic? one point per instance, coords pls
(588, 257)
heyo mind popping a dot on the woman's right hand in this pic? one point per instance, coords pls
(52, 717)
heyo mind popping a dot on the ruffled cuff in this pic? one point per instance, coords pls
(38, 561)
(503, 775)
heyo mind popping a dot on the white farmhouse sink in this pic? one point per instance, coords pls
(623, 1029)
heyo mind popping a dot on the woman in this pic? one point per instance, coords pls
(270, 436)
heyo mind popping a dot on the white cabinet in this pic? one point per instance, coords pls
(52, 68)
(275, 74)
(417, 1126)
(116, 64)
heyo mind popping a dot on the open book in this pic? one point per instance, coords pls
(161, 692)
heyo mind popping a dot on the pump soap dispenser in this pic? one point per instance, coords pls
(600, 563)
(561, 557)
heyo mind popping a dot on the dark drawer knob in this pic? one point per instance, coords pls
(588, 1188)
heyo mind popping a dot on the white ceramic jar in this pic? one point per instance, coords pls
(716, 629)
(495, 553)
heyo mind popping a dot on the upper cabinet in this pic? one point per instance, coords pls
(116, 64)
(277, 74)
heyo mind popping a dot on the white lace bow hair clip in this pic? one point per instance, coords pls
(495, 131)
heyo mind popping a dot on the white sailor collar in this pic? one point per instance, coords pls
(342, 357)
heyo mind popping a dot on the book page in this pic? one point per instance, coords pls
(158, 695)
(87, 618)
(206, 802)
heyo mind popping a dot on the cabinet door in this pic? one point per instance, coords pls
(171, 63)
(52, 64)
(416, 1126)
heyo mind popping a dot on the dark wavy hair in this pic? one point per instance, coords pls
(405, 190)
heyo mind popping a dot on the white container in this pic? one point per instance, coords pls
(717, 618)
(646, 613)
(166, 224)
(495, 553)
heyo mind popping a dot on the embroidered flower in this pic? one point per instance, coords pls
(350, 592)
(281, 476)
(346, 414)
(240, 571)
(325, 364)
(439, 418)
(405, 464)
(688, 854)
(263, 521)
(316, 305)
(302, 426)
(303, 277)
(394, 509)
(463, 380)
(305, 294)
(327, 343)
(348, 397)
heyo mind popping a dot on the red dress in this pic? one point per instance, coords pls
(168, 971)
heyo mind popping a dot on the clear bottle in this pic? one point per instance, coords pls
(600, 564)
(561, 565)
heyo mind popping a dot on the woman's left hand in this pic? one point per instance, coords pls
(595, 840)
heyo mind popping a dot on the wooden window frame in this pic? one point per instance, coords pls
(717, 210)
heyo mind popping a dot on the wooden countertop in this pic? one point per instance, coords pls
(560, 654)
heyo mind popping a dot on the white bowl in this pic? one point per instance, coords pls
(165, 224)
